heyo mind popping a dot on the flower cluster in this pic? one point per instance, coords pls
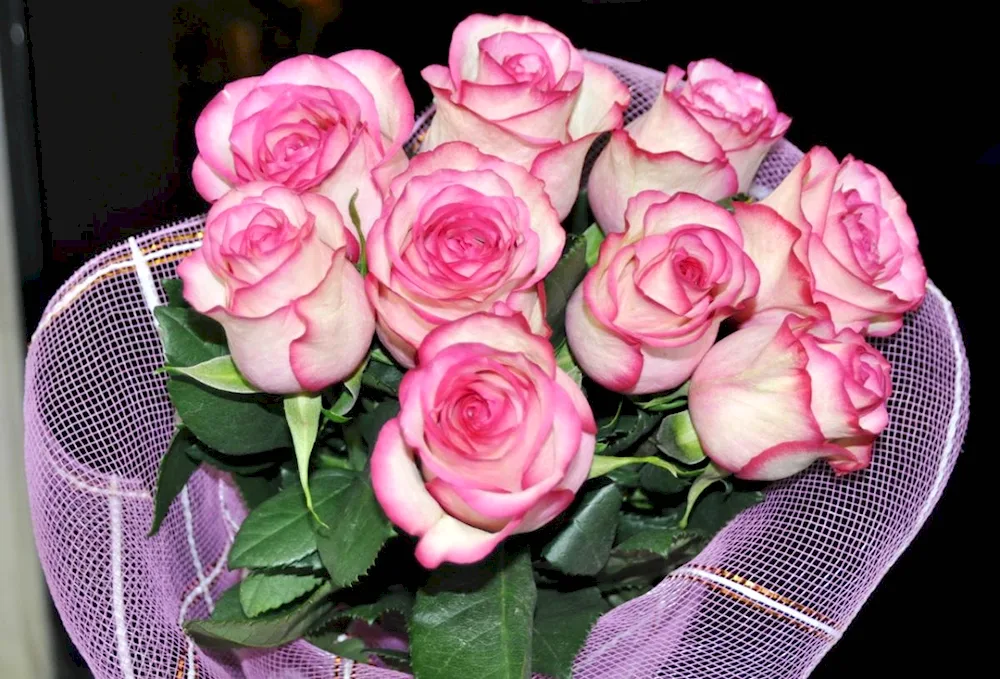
(323, 234)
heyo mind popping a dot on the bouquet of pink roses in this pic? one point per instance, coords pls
(468, 417)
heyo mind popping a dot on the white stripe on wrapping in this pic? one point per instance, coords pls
(145, 277)
(189, 599)
(757, 597)
(117, 582)
(193, 548)
(348, 665)
(82, 286)
(941, 477)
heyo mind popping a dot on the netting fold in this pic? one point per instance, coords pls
(766, 598)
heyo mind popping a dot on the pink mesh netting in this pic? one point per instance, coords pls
(767, 597)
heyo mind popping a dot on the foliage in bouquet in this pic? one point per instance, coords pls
(465, 421)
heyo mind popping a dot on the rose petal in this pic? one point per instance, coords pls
(260, 347)
(453, 541)
(213, 126)
(398, 484)
(206, 182)
(770, 242)
(326, 352)
(202, 289)
(603, 355)
(503, 334)
(384, 80)
(602, 102)
(788, 459)
(623, 170)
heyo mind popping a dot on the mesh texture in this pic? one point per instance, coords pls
(767, 597)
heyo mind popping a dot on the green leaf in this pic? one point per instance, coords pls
(737, 198)
(229, 626)
(656, 479)
(276, 533)
(357, 528)
(307, 564)
(562, 281)
(564, 359)
(631, 524)
(631, 426)
(263, 592)
(176, 468)
(352, 389)
(562, 622)
(188, 337)
(235, 464)
(710, 475)
(384, 377)
(302, 414)
(219, 373)
(662, 542)
(583, 546)
(370, 424)
(279, 532)
(234, 424)
(256, 489)
(716, 509)
(379, 356)
(674, 399)
(174, 287)
(579, 217)
(400, 601)
(476, 620)
(676, 438)
(593, 237)
(341, 646)
(602, 464)
(352, 209)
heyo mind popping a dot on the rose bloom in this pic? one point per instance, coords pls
(706, 135)
(651, 307)
(861, 245)
(276, 269)
(461, 232)
(784, 391)
(332, 126)
(517, 88)
(492, 439)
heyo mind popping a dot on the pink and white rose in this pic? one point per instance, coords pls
(461, 232)
(276, 269)
(706, 134)
(517, 88)
(650, 308)
(332, 126)
(492, 439)
(861, 246)
(784, 391)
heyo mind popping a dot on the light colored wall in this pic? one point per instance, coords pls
(25, 644)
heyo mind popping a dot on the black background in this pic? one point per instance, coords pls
(118, 85)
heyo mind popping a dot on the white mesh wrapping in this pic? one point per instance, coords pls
(767, 598)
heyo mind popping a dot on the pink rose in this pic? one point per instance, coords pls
(461, 232)
(651, 307)
(276, 269)
(784, 391)
(861, 245)
(706, 135)
(492, 439)
(517, 88)
(777, 249)
(333, 126)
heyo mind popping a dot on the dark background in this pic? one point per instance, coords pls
(101, 137)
